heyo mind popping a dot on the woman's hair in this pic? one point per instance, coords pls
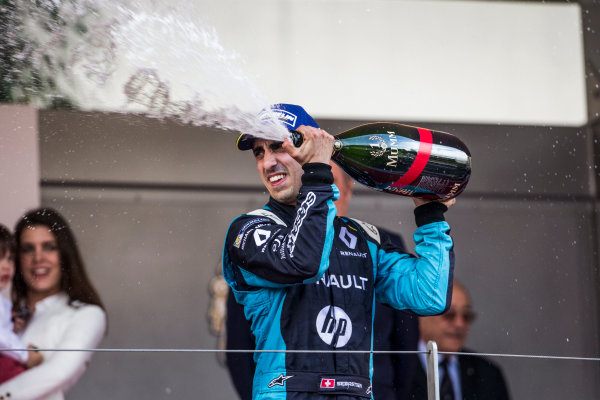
(7, 241)
(73, 277)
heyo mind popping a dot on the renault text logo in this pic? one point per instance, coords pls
(333, 322)
(348, 238)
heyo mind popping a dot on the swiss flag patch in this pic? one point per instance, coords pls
(327, 383)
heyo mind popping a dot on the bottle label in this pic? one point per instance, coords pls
(433, 184)
(378, 146)
(425, 145)
(401, 191)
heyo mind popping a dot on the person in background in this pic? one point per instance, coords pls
(238, 336)
(308, 279)
(12, 362)
(462, 377)
(393, 330)
(65, 310)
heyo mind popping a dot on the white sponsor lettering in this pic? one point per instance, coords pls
(282, 115)
(349, 384)
(344, 281)
(240, 239)
(276, 243)
(353, 254)
(347, 284)
(300, 215)
(363, 280)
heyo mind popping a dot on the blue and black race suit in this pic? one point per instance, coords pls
(308, 280)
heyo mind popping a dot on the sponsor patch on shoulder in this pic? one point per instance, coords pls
(269, 214)
(371, 230)
(240, 236)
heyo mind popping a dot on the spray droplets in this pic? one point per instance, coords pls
(146, 89)
(130, 57)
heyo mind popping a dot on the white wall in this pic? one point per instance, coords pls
(451, 61)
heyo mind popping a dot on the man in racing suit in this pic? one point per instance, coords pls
(308, 279)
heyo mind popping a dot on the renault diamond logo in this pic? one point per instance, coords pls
(348, 238)
(261, 236)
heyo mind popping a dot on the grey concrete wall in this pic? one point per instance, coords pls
(150, 202)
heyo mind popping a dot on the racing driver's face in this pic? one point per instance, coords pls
(280, 173)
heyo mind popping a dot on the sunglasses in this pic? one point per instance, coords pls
(467, 316)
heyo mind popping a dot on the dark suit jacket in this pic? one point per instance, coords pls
(480, 378)
(394, 330)
(392, 373)
(241, 366)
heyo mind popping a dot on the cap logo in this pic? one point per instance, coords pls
(284, 116)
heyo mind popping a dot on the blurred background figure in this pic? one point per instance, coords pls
(462, 377)
(12, 362)
(393, 330)
(58, 306)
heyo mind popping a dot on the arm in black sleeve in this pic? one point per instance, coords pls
(269, 252)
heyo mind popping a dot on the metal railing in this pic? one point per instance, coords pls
(432, 357)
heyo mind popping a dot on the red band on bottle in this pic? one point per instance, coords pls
(426, 141)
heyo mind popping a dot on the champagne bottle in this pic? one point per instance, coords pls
(403, 160)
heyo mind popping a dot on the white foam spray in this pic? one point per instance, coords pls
(136, 56)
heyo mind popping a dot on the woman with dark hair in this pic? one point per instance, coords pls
(59, 305)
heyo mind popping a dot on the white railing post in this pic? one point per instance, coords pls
(433, 381)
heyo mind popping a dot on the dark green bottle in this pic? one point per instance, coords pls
(404, 160)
